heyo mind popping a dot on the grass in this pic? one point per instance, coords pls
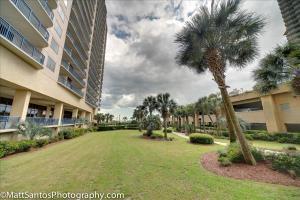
(121, 161)
(265, 144)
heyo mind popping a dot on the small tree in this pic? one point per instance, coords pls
(166, 106)
(32, 130)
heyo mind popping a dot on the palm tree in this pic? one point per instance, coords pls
(106, 117)
(178, 114)
(99, 117)
(165, 106)
(124, 119)
(150, 103)
(139, 113)
(191, 111)
(111, 117)
(201, 106)
(225, 34)
(281, 65)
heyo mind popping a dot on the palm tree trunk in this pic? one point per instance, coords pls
(217, 69)
(249, 159)
(203, 123)
(165, 128)
(230, 126)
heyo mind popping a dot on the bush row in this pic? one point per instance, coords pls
(12, 147)
(293, 138)
(283, 162)
(199, 138)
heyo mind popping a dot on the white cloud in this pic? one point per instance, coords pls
(140, 52)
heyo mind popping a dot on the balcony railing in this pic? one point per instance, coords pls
(42, 121)
(80, 52)
(72, 72)
(68, 121)
(74, 60)
(70, 86)
(9, 122)
(18, 40)
(48, 10)
(28, 13)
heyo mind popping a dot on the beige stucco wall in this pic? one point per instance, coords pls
(15, 70)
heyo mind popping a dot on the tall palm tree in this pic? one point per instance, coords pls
(150, 103)
(165, 106)
(224, 34)
(191, 111)
(111, 117)
(281, 65)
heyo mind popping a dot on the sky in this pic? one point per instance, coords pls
(140, 52)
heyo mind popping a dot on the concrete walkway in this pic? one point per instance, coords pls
(186, 137)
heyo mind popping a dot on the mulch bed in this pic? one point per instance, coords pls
(261, 172)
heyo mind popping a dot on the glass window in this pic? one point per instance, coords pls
(54, 46)
(51, 64)
(58, 29)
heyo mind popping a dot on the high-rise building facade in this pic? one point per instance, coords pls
(290, 10)
(51, 61)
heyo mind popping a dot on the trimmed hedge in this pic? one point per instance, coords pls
(12, 147)
(110, 128)
(198, 138)
(287, 163)
(293, 138)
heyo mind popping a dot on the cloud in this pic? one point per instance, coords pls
(140, 52)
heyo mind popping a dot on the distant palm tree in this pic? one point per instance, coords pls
(165, 106)
(150, 103)
(201, 106)
(99, 117)
(280, 66)
(225, 34)
(124, 119)
(139, 113)
(111, 117)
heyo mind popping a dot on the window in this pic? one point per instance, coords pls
(58, 29)
(54, 46)
(50, 64)
(61, 13)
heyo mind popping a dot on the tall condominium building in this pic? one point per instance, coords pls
(51, 61)
(290, 10)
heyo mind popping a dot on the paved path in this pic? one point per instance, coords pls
(186, 137)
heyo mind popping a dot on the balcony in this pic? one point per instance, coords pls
(65, 83)
(79, 51)
(20, 15)
(68, 68)
(72, 59)
(42, 121)
(14, 41)
(67, 121)
(42, 11)
(9, 122)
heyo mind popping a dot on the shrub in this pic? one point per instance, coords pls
(287, 163)
(41, 142)
(224, 161)
(291, 148)
(31, 130)
(23, 145)
(234, 154)
(67, 133)
(249, 137)
(198, 138)
(156, 135)
(169, 130)
(189, 128)
(11, 147)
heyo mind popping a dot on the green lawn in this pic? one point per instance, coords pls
(265, 144)
(120, 161)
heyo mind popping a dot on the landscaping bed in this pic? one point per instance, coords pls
(262, 172)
